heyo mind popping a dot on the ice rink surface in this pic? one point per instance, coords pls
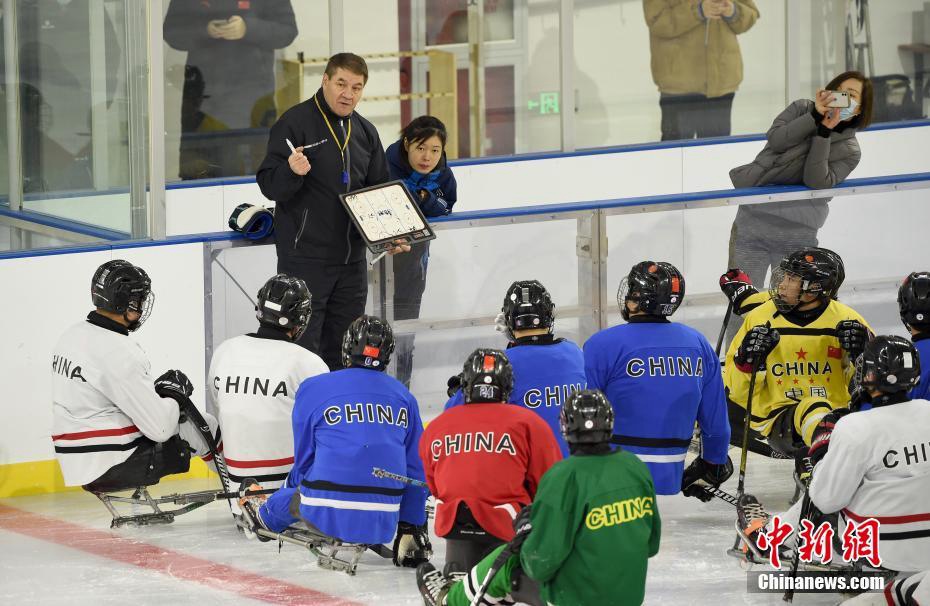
(58, 548)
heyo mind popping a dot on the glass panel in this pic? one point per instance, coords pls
(447, 21)
(666, 49)
(74, 114)
(888, 41)
(231, 68)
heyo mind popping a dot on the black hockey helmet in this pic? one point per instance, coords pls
(657, 287)
(120, 287)
(587, 418)
(368, 342)
(487, 377)
(914, 300)
(888, 364)
(284, 303)
(819, 271)
(528, 305)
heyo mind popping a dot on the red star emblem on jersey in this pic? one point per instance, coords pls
(778, 381)
(796, 381)
(828, 379)
(802, 355)
(811, 380)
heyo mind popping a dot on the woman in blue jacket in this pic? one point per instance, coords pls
(418, 159)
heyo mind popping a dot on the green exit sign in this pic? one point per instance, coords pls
(547, 103)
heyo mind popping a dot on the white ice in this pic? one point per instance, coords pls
(691, 567)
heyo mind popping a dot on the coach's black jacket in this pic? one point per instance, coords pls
(310, 221)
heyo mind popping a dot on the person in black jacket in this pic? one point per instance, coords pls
(335, 151)
(229, 76)
(418, 159)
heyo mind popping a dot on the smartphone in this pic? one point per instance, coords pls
(840, 99)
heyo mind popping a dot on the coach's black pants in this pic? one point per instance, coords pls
(339, 295)
(409, 284)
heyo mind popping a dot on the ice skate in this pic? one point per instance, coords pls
(433, 585)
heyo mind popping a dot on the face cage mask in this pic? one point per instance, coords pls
(623, 291)
(143, 308)
(779, 275)
(300, 327)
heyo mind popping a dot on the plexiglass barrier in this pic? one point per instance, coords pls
(580, 252)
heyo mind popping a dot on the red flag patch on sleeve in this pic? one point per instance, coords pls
(371, 351)
(834, 352)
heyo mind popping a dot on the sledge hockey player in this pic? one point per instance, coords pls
(594, 508)
(869, 464)
(483, 460)
(914, 305)
(345, 424)
(546, 369)
(802, 343)
(661, 377)
(254, 378)
(114, 428)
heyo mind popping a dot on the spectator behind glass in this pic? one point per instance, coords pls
(418, 158)
(229, 79)
(808, 144)
(696, 62)
(55, 96)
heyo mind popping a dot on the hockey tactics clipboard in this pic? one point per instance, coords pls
(384, 213)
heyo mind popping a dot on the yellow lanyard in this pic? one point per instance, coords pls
(342, 147)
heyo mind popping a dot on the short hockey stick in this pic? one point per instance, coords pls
(383, 473)
(723, 329)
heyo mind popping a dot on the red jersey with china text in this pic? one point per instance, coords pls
(489, 456)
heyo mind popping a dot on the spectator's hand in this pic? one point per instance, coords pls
(727, 8)
(234, 28)
(821, 99)
(400, 246)
(831, 118)
(215, 28)
(298, 162)
(712, 9)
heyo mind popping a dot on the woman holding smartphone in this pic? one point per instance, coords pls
(812, 143)
(418, 159)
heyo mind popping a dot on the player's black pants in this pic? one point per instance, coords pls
(150, 462)
(339, 295)
(467, 542)
(690, 116)
(782, 439)
(409, 284)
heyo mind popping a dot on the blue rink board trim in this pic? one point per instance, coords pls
(539, 209)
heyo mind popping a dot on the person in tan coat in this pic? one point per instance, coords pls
(696, 62)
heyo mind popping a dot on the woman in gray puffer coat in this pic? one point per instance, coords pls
(808, 144)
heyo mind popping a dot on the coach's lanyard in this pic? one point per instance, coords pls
(342, 147)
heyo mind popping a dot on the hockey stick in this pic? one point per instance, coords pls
(723, 329)
(496, 565)
(383, 473)
(204, 428)
(720, 494)
(741, 484)
(806, 505)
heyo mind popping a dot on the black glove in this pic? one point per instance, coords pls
(521, 527)
(757, 344)
(411, 545)
(702, 472)
(736, 285)
(853, 336)
(174, 384)
(454, 384)
(820, 439)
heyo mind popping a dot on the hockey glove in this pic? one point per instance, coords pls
(853, 336)
(736, 285)
(522, 528)
(701, 473)
(411, 545)
(174, 384)
(820, 439)
(757, 344)
(454, 384)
